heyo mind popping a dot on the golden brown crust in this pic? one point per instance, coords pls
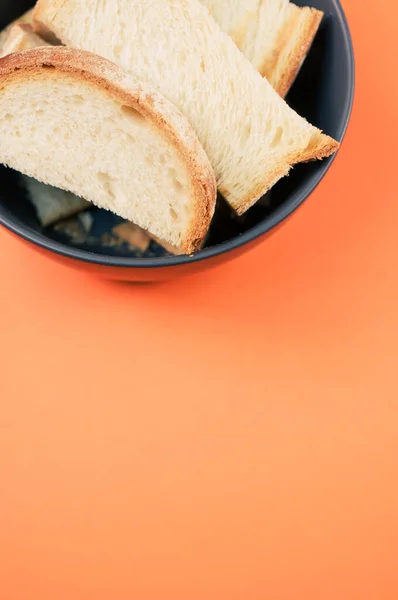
(279, 60)
(261, 189)
(320, 146)
(131, 92)
(283, 77)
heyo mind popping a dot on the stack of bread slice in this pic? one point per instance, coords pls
(275, 35)
(151, 106)
(54, 206)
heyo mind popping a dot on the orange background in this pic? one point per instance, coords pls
(233, 435)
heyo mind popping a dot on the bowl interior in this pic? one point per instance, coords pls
(322, 93)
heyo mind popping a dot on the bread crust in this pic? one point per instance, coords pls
(132, 93)
(292, 63)
(322, 146)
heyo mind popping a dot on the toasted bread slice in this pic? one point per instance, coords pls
(275, 35)
(75, 121)
(250, 134)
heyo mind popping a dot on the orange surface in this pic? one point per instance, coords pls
(230, 436)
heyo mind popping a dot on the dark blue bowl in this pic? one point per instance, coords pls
(323, 93)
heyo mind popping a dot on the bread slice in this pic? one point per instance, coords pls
(250, 134)
(51, 204)
(275, 35)
(21, 37)
(77, 122)
(25, 18)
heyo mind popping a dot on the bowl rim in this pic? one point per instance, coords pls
(277, 217)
